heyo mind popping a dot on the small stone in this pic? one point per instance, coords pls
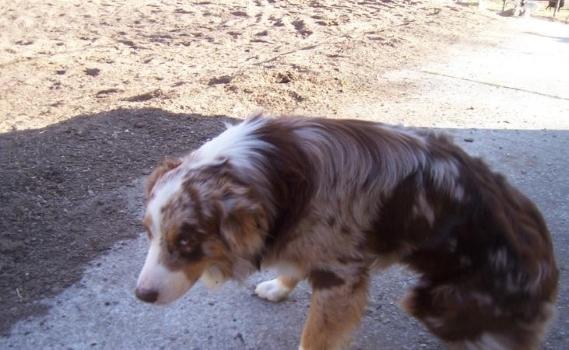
(24, 42)
(224, 79)
(92, 71)
(239, 336)
(468, 139)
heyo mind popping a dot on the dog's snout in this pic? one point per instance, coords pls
(146, 295)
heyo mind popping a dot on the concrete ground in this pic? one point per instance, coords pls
(508, 102)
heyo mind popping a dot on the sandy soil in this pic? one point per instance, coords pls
(93, 93)
(64, 58)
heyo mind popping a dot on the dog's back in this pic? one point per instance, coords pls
(482, 249)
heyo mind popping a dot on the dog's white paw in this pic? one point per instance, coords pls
(272, 290)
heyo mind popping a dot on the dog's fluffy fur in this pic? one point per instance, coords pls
(332, 200)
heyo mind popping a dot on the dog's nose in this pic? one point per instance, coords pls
(146, 295)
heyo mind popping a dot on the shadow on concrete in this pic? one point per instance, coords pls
(60, 199)
(561, 39)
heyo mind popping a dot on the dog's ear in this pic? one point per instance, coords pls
(243, 222)
(164, 167)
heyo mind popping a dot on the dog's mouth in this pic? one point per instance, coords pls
(156, 297)
(159, 285)
(170, 286)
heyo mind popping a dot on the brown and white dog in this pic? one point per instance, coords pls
(333, 200)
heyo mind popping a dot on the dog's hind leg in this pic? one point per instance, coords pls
(277, 289)
(470, 319)
(336, 308)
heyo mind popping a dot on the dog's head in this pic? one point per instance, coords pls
(201, 222)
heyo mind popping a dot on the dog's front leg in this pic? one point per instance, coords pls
(336, 308)
(277, 289)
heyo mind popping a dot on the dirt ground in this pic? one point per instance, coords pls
(61, 59)
(94, 93)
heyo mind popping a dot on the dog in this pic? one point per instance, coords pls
(332, 201)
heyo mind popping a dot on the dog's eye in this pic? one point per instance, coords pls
(184, 242)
